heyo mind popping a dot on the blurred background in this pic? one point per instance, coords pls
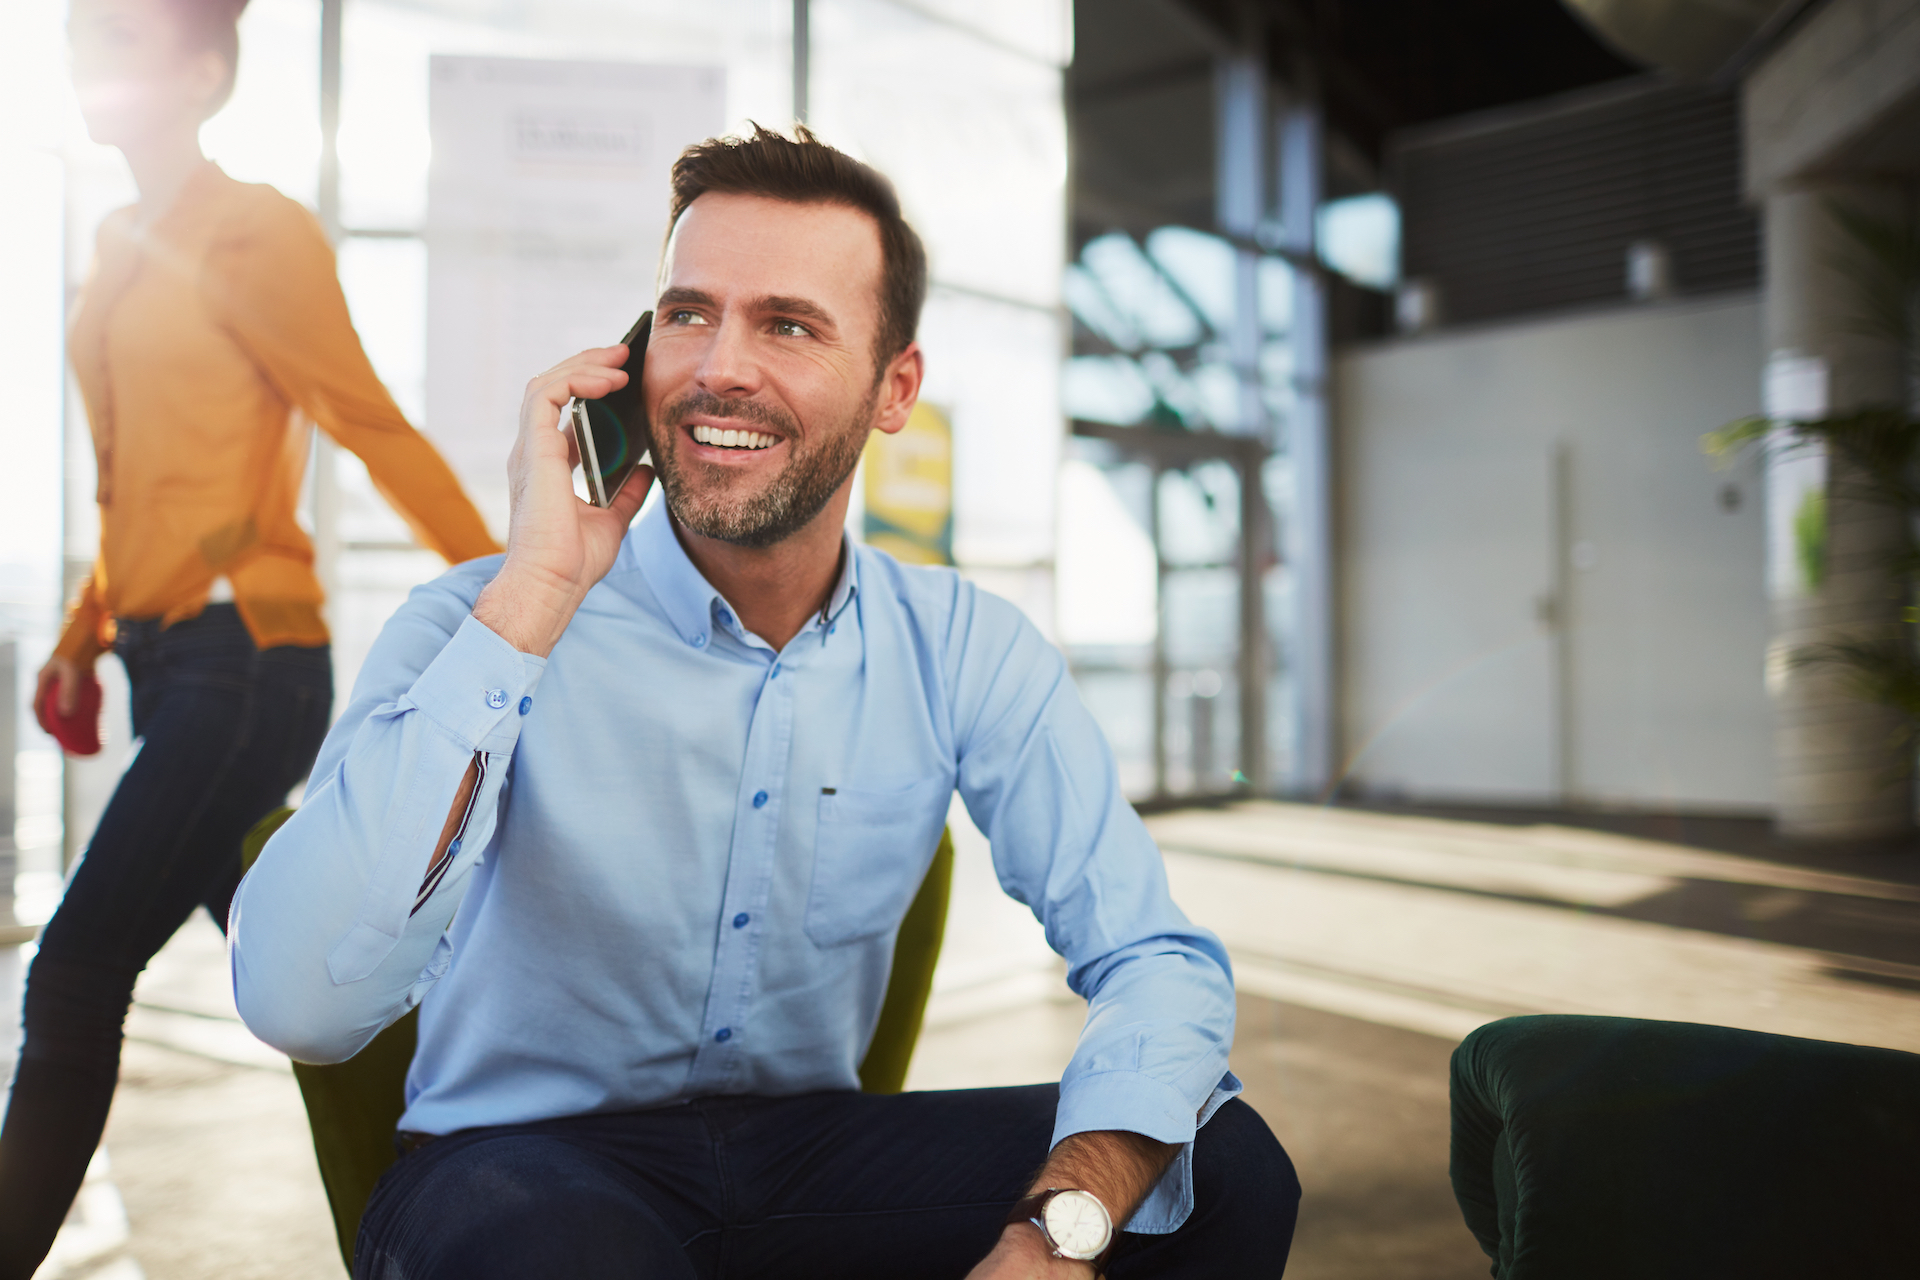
(1328, 378)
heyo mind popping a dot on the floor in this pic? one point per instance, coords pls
(1365, 945)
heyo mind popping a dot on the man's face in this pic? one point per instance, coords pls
(760, 381)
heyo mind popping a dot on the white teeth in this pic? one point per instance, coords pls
(732, 439)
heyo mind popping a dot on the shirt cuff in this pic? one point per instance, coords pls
(1134, 1103)
(477, 688)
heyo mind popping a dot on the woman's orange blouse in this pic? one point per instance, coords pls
(202, 346)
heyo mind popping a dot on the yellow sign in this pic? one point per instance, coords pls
(909, 489)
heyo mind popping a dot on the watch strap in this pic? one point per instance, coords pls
(1031, 1209)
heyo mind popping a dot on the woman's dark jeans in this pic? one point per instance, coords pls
(226, 730)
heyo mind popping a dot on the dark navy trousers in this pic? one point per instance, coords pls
(847, 1185)
(226, 730)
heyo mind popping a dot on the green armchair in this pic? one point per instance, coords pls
(353, 1107)
(1616, 1147)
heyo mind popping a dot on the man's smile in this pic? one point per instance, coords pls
(739, 439)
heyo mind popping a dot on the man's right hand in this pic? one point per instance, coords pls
(558, 545)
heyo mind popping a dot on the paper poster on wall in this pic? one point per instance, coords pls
(909, 489)
(546, 212)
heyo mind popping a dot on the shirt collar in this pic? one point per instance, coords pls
(687, 596)
(843, 590)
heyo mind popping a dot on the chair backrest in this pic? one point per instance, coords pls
(353, 1107)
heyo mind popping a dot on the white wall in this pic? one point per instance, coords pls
(1545, 597)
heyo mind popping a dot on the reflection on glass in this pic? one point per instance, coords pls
(1202, 740)
(1092, 308)
(1201, 266)
(1276, 296)
(1360, 238)
(1167, 310)
(1216, 392)
(1106, 389)
(1200, 515)
(1140, 292)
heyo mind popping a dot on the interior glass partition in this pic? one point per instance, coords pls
(1199, 525)
(1195, 689)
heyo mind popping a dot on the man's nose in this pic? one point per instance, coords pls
(729, 367)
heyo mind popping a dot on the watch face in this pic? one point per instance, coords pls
(1078, 1224)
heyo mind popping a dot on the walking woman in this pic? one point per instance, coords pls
(212, 330)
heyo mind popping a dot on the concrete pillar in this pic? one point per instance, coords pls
(1838, 773)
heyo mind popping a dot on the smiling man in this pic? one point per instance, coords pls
(634, 815)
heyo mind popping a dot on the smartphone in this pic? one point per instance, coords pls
(611, 432)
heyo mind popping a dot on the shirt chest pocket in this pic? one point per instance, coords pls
(870, 853)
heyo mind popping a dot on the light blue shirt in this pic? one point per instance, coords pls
(689, 854)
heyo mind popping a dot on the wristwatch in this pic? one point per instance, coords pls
(1074, 1222)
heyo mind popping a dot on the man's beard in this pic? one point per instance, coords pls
(795, 496)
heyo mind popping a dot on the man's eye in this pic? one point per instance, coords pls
(685, 317)
(791, 329)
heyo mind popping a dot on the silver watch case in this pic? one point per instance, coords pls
(1075, 1224)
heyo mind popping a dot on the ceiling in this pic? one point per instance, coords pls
(1140, 90)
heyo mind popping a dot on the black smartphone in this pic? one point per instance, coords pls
(611, 432)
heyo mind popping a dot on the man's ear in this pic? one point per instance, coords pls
(899, 389)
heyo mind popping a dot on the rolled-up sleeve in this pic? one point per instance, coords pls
(1038, 777)
(329, 940)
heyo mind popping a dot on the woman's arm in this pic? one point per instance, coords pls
(273, 277)
(81, 640)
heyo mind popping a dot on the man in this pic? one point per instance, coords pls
(635, 815)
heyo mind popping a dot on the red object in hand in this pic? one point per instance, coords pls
(78, 732)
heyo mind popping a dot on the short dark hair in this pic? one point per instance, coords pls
(211, 25)
(804, 170)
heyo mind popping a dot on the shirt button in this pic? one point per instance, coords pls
(699, 642)
(496, 698)
(759, 799)
(740, 921)
(526, 705)
(723, 1035)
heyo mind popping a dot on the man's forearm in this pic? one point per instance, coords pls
(1116, 1166)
